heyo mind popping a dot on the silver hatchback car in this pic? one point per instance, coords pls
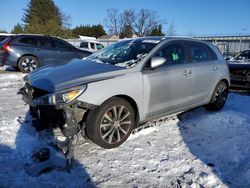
(109, 93)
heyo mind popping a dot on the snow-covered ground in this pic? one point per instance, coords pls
(195, 149)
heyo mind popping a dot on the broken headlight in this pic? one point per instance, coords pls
(60, 97)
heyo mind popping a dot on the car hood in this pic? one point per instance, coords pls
(74, 73)
(234, 64)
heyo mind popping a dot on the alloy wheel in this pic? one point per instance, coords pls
(221, 95)
(115, 124)
(29, 64)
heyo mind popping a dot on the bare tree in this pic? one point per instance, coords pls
(141, 23)
(113, 21)
(145, 21)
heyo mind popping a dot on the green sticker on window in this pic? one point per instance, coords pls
(175, 57)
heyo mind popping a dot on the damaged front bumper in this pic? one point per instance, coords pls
(69, 117)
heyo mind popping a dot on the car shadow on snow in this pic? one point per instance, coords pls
(220, 140)
(27, 141)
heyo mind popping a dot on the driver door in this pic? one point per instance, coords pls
(168, 87)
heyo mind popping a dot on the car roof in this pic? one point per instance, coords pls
(165, 38)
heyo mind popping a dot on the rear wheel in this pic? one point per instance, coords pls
(28, 64)
(219, 97)
(110, 124)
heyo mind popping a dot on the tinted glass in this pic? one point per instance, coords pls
(2, 38)
(29, 41)
(99, 46)
(62, 44)
(213, 56)
(92, 45)
(44, 42)
(198, 53)
(173, 53)
(84, 45)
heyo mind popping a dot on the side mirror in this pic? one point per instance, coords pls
(157, 61)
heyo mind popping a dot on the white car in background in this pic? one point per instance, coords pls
(90, 44)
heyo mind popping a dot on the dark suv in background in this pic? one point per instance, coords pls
(29, 52)
(239, 67)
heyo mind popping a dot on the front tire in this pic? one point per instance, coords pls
(28, 64)
(219, 97)
(110, 124)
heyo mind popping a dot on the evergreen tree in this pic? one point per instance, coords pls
(98, 31)
(87, 30)
(44, 17)
(157, 31)
(18, 28)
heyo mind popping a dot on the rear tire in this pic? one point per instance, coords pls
(28, 64)
(110, 124)
(219, 97)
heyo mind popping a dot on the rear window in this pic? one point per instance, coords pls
(2, 38)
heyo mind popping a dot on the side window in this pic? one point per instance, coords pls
(99, 46)
(92, 45)
(62, 44)
(44, 42)
(213, 56)
(173, 53)
(84, 45)
(198, 53)
(29, 40)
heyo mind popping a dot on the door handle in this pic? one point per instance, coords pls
(215, 67)
(187, 72)
(37, 49)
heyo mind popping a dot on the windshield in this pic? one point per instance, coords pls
(124, 53)
(245, 55)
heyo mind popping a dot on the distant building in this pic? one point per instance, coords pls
(110, 37)
(229, 45)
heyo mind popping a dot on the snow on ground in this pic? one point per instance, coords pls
(195, 149)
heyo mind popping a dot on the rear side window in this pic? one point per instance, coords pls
(2, 38)
(92, 45)
(173, 53)
(44, 42)
(213, 56)
(84, 45)
(29, 40)
(62, 44)
(198, 53)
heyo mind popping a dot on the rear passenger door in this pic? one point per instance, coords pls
(205, 71)
(45, 51)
